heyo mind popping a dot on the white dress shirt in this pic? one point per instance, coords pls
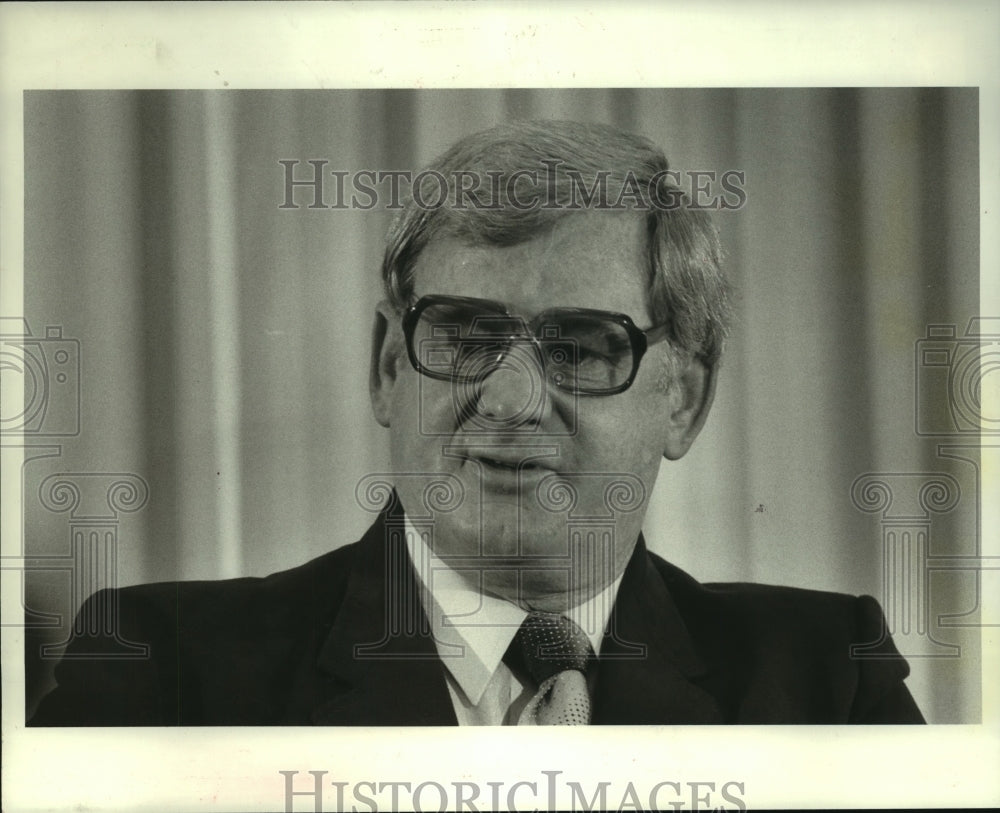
(472, 631)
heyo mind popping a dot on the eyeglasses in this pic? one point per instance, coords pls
(578, 350)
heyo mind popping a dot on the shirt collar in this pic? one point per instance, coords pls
(472, 629)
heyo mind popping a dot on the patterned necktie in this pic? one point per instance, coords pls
(556, 652)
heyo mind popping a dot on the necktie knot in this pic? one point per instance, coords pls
(555, 651)
(552, 643)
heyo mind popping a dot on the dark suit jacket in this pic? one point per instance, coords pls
(326, 643)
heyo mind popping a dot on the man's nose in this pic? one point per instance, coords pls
(512, 394)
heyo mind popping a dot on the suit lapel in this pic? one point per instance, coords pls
(648, 662)
(379, 661)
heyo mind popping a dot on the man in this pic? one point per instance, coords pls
(552, 329)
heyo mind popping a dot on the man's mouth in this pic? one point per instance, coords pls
(505, 464)
(511, 465)
(508, 465)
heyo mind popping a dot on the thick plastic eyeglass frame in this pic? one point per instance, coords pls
(640, 340)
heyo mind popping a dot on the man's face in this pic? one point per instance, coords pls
(519, 447)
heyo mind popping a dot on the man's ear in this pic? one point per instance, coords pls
(387, 350)
(692, 392)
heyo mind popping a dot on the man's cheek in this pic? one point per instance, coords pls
(428, 408)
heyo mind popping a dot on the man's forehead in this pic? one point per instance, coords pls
(593, 259)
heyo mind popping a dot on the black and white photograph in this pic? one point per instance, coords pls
(397, 412)
(504, 388)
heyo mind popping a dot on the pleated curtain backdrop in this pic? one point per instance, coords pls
(224, 340)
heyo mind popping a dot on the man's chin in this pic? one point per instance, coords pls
(538, 594)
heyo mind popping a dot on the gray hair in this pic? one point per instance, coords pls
(539, 172)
